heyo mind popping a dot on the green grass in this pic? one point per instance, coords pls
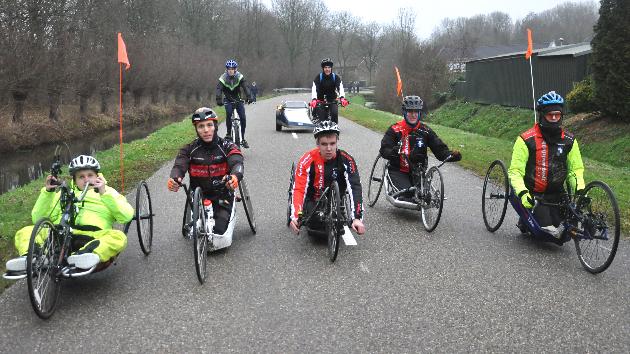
(479, 149)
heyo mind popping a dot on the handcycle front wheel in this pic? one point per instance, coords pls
(200, 236)
(377, 176)
(290, 193)
(42, 268)
(494, 199)
(433, 199)
(236, 132)
(332, 221)
(187, 220)
(600, 227)
(247, 205)
(144, 217)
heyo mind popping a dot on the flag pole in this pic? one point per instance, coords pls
(120, 133)
(531, 72)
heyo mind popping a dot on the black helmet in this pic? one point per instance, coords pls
(327, 62)
(203, 113)
(414, 103)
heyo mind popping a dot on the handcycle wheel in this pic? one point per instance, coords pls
(600, 228)
(144, 217)
(348, 209)
(187, 219)
(42, 267)
(377, 176)
(247, 205)
(432, 199)
(332, 221)
(236, 132)
(496, 190)
(200, 237)
(290, 193)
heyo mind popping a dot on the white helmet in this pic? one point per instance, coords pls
(83, 162)
(326, 127)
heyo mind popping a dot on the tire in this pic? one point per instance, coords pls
(348, 209)
(144, 217)
(236, 133)
(278, 127)
(598, 238)
(432, 199)
(247, 205)
(333, 221)
(377, 178)
(187, 219)
(42, 267)
(494, 198)
(200, 237)
(290, 193)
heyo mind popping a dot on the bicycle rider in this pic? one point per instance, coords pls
(209, 158)
(327, 86)
(95, 241)
(231, 82)
(411, 137)
(316, 169)
(543, 158)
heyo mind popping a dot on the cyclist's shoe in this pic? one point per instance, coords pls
(244, 144)
(17, 264)
(228, 137)
(84, 260)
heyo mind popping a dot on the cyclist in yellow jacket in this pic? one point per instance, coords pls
(95, 239)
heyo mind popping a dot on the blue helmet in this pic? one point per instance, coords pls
(549, 99)
(231, 64)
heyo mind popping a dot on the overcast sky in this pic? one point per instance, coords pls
(430, 13)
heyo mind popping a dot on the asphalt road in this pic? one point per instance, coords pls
(458, 289)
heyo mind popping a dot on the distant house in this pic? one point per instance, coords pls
(505, 79)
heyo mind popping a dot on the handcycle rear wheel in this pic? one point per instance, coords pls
(42, 268)
(247, 205)
(200, 236)
(187, 220)
(332, 221)
(601, 227)
(376, 180)
(290, 193)
(144, 217)
(433, 199)
(496, 190)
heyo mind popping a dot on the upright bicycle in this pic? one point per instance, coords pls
(237, 136)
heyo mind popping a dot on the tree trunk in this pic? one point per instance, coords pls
(105, 95)
(155, 95)
(54, 101)
(137, 97)
(83, 107)
(19, 97)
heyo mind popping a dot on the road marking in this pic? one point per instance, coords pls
(348, 239)
(294, 135)
(363, 267)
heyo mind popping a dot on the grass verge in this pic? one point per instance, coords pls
(479, 150)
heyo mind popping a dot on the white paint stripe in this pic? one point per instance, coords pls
(294, 135)
(363, 267)
(348, 239)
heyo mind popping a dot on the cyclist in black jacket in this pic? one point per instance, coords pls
(230, 84)
(327, 86)
(209, 158)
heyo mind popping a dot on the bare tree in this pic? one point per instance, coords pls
(292, 19)
(345, 25)
(370, 45)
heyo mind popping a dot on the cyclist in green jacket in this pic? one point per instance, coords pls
(543, 158)
(95, 239)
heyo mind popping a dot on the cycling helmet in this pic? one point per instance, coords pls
(551, 98)
(84, 162)
(325, 127)
(231, 64)
(412, 103)
(327, 62)
(203, 113)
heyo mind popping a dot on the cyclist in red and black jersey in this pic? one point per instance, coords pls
(316, 169)
(209, 158)
(411, 137)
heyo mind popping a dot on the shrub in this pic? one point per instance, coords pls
(581, 98)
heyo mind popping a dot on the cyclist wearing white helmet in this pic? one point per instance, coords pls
(317, 168)
(327, 87)
(95, 239)
(228, 92)
(543, 158)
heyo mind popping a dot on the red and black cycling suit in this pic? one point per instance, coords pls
(415, 141)
(206, 162)
(313, 174)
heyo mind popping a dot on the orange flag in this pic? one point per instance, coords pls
(399, 83)
(530, 46)
(122, 52)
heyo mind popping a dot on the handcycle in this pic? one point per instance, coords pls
(590, 218)
(427, 186)
(331, 209)
(198, 223)
(322, 109)
(236, 122)
(47, 260)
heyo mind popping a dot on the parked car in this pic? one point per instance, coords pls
(293, 114)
